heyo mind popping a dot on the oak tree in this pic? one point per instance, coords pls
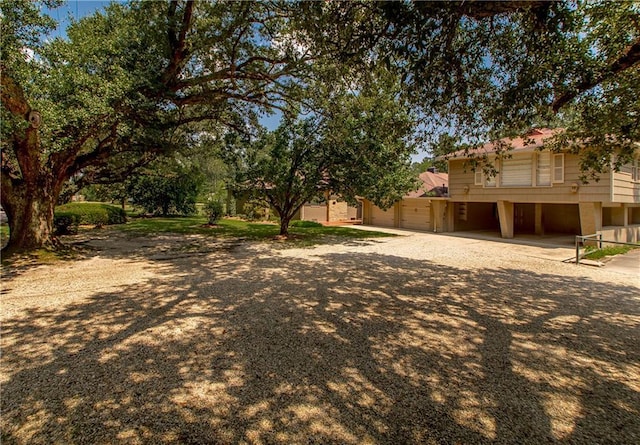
(120, 85)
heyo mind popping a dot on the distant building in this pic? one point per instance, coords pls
(421, 209)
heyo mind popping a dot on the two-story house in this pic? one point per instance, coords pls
(539, 191)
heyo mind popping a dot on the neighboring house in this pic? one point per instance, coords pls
(422, 209)
(535, 191)
(332, 210)
(538, 191)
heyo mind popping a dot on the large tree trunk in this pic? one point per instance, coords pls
(30, 196)
(30, 214)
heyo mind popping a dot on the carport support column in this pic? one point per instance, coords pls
(590, 217)
(539, 225)
(505, 214)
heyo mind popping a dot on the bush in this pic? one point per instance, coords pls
(256, 209)
(173, 194)
(68, 217)
(65, 223)
(214, 211)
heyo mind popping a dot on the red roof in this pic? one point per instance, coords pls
(431, 182)
(533, 140)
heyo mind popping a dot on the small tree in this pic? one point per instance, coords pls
(214, 211)
(358, 147)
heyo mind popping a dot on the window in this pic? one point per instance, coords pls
(635, 171)
(484, 179)
(543, 168)
(477, 180)
(516, 171)
(490, 180)
(558, 168)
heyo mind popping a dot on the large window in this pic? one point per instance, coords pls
(538, 169)
(516, 171)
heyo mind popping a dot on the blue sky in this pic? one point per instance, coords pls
(74, 9)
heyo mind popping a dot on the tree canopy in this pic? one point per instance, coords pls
(118, 89)
(485, 70)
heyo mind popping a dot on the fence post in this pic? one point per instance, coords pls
(599, 240)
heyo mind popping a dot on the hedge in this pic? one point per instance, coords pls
(68, 217)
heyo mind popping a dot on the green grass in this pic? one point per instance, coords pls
(302, 232)
(97, 213)
(4, 234)
(596, 254)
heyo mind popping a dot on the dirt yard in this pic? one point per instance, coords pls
(421, 339)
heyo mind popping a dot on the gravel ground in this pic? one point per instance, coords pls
(423, 339)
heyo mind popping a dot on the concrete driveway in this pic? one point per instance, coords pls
(628, 263)
(553, 247)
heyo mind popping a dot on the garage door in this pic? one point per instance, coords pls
(383, 218)
(415, 214)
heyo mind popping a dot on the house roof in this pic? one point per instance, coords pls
(532, 141)
(432, 182)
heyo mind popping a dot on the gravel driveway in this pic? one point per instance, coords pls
(419, 339)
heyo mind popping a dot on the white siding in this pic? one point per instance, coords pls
(460, 176)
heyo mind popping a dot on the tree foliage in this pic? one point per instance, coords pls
(359, 146)
(112, 96)
(166, 188)
(485, 70)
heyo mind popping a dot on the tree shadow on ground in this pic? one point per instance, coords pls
(117, 244)
(336, 348)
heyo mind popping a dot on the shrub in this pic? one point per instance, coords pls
(68, 217)
(65, 223)
(256, 209)
(214, 211)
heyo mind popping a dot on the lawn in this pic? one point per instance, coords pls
(4, 234)
(302, 232)
(596, 254)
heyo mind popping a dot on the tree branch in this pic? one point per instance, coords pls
(628, 59)
(12, 95)
(177, 43)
